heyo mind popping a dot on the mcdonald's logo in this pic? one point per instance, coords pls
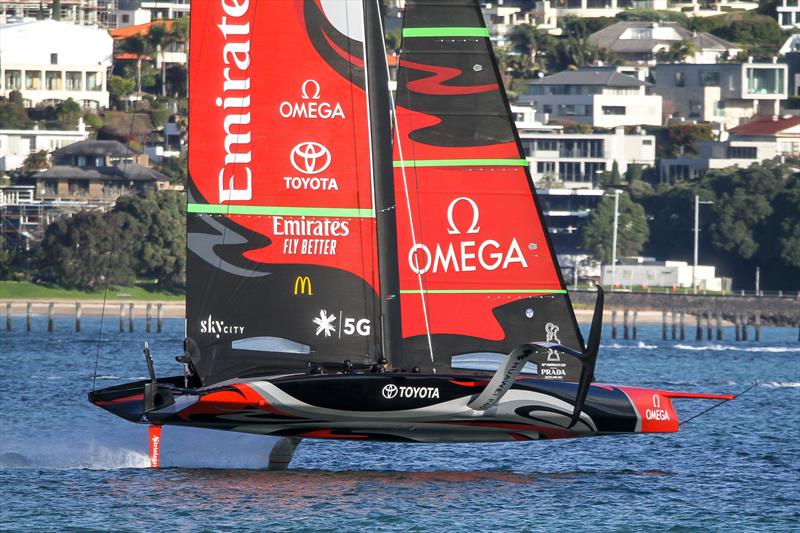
(302, 285)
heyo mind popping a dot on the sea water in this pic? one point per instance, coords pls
(67, 465)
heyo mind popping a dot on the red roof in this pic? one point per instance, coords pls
(138, 29)
(767, 125)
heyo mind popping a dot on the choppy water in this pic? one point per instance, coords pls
(66, 465)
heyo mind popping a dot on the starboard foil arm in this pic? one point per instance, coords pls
(505, 375)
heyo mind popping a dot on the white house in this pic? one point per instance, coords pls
(548, 10)
(788, 14)
(50, 61)
(16, 145)
(602, 98)
(501, 18)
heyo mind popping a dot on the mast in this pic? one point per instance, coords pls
(379, 104)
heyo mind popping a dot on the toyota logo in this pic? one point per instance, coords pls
(310, 157)
(389, 391)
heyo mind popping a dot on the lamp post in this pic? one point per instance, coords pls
(697, 203)
(614, 241)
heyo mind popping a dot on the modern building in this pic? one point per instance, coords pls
(642, 41)
(17, 145)
(72, 11)
(764, 138)
(175, 53)
(70, 61)
(97, 170)
(677, 274)
(726, 93)
(599, 97)
(788, 14)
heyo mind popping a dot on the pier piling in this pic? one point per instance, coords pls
(625, 331)
(614, 324)
(674, 325)
(683, 324)
(719, 325)
(77, 317)
(757, 324)
(698, 334)
(149, 317)
(736, 325)
(8, 316)
(159, 317)
(745, 320)
(131, 318)
(122, 318)
(28, 316)
(635, 331)
(50, 315)
(708, 326)
(664, 325)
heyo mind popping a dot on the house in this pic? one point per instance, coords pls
(768, 137)
(72, 11)
(726, 93)
(50, 61)
(501, 18)
(599, 97)
(16, 145)
(174, 53)
(641, 41)
(788, 12)
(97, 170)
(137, 12)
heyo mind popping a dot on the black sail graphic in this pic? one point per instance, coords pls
(478, 275)
(282, 272)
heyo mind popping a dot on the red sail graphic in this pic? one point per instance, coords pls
(477, 272)
(279, 160)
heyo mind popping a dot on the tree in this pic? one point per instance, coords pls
(120, 87)
(523, 39)
(632, 232)
(12, 113)
(677, 52)
(138, 46)
(679, 139)
(36, 161)
(68, 113)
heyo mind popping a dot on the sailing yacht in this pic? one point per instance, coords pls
(367, 265)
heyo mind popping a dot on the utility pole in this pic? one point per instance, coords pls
(697, 203)
(758, 281)
(614, 241)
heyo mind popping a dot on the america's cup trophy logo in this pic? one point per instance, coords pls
(551, 330)
(310, 157)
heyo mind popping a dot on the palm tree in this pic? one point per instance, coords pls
(158, 38)
(136, 45)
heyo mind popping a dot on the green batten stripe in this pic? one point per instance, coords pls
(445, 32)
(483, 291)
(215, 209)
(461, 163)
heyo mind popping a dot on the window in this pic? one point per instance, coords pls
(709, 79)
(78, 186)
(81, 160)
(695, 109)
(576, 110)
(786, 19)
(547, 144)
(52, 80)
(613, 110)
(647, 142)
(680, 79)
(94, 81)
(765, 81)
(74, 81)
(54, 59)
(742, 152)
(547, 108)
(569, 171)
(13, 80)
(126, 19)
(33, 80)
(49, 187)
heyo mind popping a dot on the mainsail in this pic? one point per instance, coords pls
(478, 274)
(282, 271)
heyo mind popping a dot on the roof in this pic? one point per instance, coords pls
(602, 77)
(96, 148)
(610, 37)
(139, 29)
(767, 125)
(122, 172)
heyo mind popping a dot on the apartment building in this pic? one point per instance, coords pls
(547, 11)
(602, 98)
(72, 62)
(501, 18)
(72, 11)
(725, 93)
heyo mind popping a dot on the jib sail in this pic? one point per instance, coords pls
(282, 269)
(478, 275)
